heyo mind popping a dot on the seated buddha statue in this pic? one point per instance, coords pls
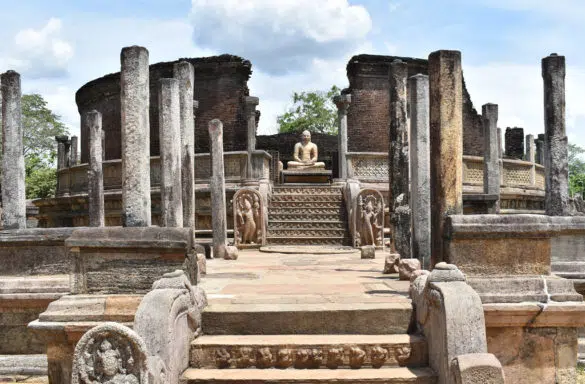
(305, 155)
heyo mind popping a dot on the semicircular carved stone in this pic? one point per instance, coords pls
(248, 210)
(111, 354)
(368, 214)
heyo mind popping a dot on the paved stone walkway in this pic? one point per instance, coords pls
(275, 278)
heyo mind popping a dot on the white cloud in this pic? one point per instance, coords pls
(280, 36)
(517, 89)
(41, 53)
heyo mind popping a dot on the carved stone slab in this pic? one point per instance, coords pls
(249, 211)
(368, 218)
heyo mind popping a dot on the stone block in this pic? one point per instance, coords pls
(230, 253)
(202, 263)
(391, 263)
(477, 368)
(368, 252)
(406, 268)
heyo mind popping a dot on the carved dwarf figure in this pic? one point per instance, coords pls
(110, 366)
(305, 154)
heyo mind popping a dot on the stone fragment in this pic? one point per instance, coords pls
(418, 273)
(406, 268)
(368, 252)
(477, 368)
(135, 106)
(230, 252)
(391, 263)
(13, 172)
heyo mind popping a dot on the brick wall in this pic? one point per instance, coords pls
(220, 88)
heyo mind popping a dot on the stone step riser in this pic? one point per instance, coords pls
(309, 198)
(377, 321)
(305, 241)
(325, 233)
(305, 204)
(305, 218)
(306, 191)
(340, 225)
(305, 211)
(309, 356)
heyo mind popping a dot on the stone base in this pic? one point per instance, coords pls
(306, 177)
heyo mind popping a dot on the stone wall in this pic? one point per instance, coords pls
(368, 114)
(220, 87)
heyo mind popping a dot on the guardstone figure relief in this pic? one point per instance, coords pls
(110, 354)
(305, 155)
(369, 218)
(248, 218)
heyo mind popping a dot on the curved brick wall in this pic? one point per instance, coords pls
(221, 85)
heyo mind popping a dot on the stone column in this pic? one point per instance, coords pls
(169, 112)
(500, 150)
(445, 78)
(13, 173)
(540, 149)
(400, 215)
(95, 176)
(103, 145)
(73, 154)
(555, 139)
(251, 103)
(420, 173)
(135, 102)
(491, 157)
(342, 102)
(62, 151)
(217, 189)
(183, 72)
(531, 157)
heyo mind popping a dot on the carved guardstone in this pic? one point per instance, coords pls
(368, 218)
(249, 229)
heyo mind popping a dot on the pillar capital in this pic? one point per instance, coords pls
(553, 63)
(251, 103)
(62, 139)
(342, 102)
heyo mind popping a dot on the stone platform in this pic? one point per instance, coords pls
(306, 177)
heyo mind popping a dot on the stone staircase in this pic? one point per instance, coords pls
(307, 215)
(308, 343)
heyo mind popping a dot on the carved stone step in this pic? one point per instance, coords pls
(304, 232)
(310, 376)
(306, 190)
(308, 240)
(305, 217)
(301, 211)
(309, 319)
(308, 351)
(305, 204)
(321, 224)
(307, 197)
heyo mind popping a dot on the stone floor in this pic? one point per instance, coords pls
(278, 278)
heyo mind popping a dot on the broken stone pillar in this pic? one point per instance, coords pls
(13, 173)
(170, 153)
(62, 151)
(217, 189)
(446, 126)
(342, 102)
(183, 72)
(135, 101)
(491, 157)
(73, 154)
(251, 103)
(514, 143)
(539, 142)
(95, 176)
(531, 157)
(400, 215)
(420, 173)
(555, 139)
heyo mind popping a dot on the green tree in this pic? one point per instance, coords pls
(40, 126)
(576, 169)
(311, 111)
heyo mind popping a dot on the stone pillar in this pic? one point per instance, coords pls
(95, 176)
(555, 139)
(540, 149)
(500, 150)
(170, 153)
(62, 151)
(491, 157)
(217, 189)
(342, 102)
(103, 145)
(13, 173)
(446, 120)
(515, 143)
(400, 215)
(73, 154)
(420, 173)
(183, 72)
(251, 103)
(135, 102)
(531, 157)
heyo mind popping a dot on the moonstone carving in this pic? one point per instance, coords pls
(356, 357)
(378, 356)
(284, 359)
(335, 358)
(110, 354)
(264, 358)
(368, 213)
(248, 218)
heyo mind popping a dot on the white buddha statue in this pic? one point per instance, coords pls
(305, 155)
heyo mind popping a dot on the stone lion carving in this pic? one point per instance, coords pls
(110, 354)
(248, 217)
(369, 218)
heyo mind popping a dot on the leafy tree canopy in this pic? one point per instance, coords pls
(576, 170)
(311, 111)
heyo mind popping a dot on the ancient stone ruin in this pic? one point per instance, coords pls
(414, 247)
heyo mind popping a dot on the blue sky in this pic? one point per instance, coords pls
(297, 45)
